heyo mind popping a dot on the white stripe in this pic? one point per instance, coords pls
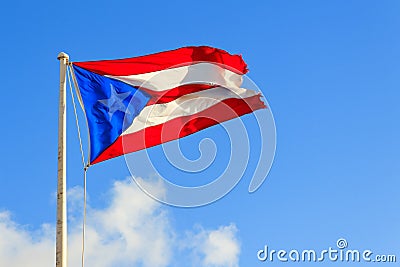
(200, 73)
(186, 105)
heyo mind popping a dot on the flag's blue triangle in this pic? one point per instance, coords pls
(110, 107)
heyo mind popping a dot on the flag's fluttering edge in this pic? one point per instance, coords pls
(140, 102)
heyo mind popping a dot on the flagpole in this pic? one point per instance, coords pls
(61, 230)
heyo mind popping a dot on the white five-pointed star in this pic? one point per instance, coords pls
(114, 103)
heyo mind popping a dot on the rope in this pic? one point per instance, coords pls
(81, 103)
(85, 166)
(76, 117)
(84, 216)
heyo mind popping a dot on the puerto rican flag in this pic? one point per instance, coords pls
(140, 102)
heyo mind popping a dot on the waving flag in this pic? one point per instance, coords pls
(140, 102)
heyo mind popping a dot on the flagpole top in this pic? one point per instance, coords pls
(62, 55)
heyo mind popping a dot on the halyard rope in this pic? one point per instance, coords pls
(85, 166)
(76, 117)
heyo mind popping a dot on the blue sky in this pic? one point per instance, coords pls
(329, 70)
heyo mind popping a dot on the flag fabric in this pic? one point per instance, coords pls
(140, 102)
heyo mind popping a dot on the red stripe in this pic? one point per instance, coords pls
(160, 97)
(163, 60)
(182, 126)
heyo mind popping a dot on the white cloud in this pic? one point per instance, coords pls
(215, 248)
(21, 247)
(221, 247)
(133, 230)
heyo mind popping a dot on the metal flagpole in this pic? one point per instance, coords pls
(61, 231)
